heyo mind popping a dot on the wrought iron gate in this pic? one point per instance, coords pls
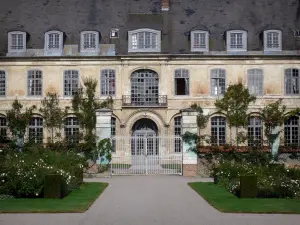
(146, 154)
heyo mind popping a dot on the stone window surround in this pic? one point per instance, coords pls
(158, 40)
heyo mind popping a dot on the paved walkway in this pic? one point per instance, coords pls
(148, 200)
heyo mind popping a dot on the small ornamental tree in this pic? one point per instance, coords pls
(234, 106)
(53, 115)
(85, 104)
(17, 121)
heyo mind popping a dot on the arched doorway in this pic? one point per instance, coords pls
(144, 87)
(144, 141)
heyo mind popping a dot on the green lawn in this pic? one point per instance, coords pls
(224, 201)
(77, 201)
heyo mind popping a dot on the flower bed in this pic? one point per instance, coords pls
(273, 180)
(22, 173)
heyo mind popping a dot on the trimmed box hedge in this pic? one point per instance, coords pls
(55, 186)
(248, 188)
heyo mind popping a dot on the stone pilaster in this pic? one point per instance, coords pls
(189, 124)
(103, 125)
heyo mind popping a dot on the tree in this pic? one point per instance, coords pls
(17, 121)
(85, 104)
(234, 105)
(53, 115)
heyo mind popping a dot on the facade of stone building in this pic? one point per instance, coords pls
(153, 57)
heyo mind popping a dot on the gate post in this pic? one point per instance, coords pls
(103, 126)
(189, 124)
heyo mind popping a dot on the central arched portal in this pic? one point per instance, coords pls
(144, 138)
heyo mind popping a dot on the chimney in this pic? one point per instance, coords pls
(165, 5)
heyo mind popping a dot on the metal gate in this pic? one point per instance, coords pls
(147, 154)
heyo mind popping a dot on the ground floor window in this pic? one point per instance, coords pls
(3, 128)
(177, 132)
(218, 130)
(72, 129)
(35, 130)
(291, 131)
(254, 131)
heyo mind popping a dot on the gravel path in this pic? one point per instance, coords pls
(148, 200)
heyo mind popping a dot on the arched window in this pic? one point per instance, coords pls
(35, 130)
(34, 82)
(113, 133)
(71, 82)
(254, 131)
(177, 132)
(72, 129)
(182, 82)
(3, 128)
(108, 82)
(218, 82)
(144, 40)
(144, 88)
(291, 81)
(291, 131)
(256, 82)
(218, 130)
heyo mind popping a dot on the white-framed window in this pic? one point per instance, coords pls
(217, 82)
(71, 82)
(236, 40)
(256, 82)
(218, 130)
(53, 43)
(291, 82)
(144, 40)
(291, 131)
(89, 41)
(182, 82)
(199, 41)
(108, 82)
(272, 40)
(34, 83)
(254, 131)
(2, 83)
(177, 133)
(71, 129)
(16, 41)
(3, 128)
(35, 130)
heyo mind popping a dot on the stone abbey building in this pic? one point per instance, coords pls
(154, 58)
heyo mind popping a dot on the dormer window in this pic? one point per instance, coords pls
(199, 41)
(144, 40)
(16, 41)
(53, 43)
(236, 40)
(89, 41)
(272, 40)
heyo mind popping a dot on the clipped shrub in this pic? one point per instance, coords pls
(55, 186)
(248, 186)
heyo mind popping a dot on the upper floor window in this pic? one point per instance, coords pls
(291, 81)
(16, 41)
(113, 133)
(182, 82)
(54, 43)
(35, 82)
(291, 131)
(2, 83)
(272, 40)
(72, 129)
(71, 82)
(218, 130)
(108, 82)
(254, 131)
(36, 130)
(236, 40)
(144, 40)
(199, 41)
(89, 41)
(3, 128)
(218, 81)
(256, 82)
(177, 132)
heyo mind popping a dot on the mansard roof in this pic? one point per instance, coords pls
(73, 16)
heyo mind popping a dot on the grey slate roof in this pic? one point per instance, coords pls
(73, 16)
